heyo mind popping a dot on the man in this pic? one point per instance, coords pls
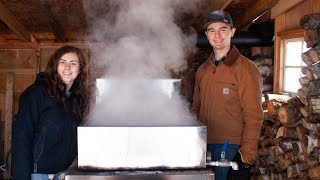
(227, 96)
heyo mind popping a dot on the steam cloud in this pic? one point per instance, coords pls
(138, 42)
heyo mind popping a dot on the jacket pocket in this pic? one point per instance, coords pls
(227, 91)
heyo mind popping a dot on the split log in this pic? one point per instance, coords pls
(267, 87)
(266, 70)
(275, 151)
(314, 172)
(263, 152)
(296, 170)
(303, 92)
(312, 71)
(289, 133)
(301, 132)
(314, 87)
(266, 142)
(286, 145)
(315, 104)
(302, 98)
(312, 161)
(314, 54)
(310, 126)
(306, 111)
(263, 61)
(316, 153)
(267, 79)
(306, 58)
(304, 81)
(283, 162)
(271, 131)
(295, 158)
(289, 114)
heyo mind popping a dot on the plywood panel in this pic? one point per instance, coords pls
(3, 83)
(18, 59)
(45, 56)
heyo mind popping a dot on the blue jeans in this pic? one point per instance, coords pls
(221, 173)
(44, 177)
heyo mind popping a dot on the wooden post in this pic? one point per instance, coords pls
(8, 121)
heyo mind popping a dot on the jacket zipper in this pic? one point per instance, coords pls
(35, 167)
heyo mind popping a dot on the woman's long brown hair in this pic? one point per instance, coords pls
(81, 89)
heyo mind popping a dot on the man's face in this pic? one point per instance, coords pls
(219, 35)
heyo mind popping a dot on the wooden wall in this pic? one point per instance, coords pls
(287, 25)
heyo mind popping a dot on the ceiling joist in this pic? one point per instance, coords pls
(10, 20)
(56, 28)
(256, 10)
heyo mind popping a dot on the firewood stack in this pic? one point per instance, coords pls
(265, 66)
(289, 145)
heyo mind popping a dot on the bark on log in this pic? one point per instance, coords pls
(263, 61)
(306, 58)
(267, 79)
(290, 133)
(312, 71)
(304, 81)
(266, 70)
(276, 151)
(267, 87)
(314, 88)
(315, 104)
(301, 132)
(296, 170)
(283, 162)
(302, 99)
(314, 54)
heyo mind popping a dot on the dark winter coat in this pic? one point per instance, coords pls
(44, 134)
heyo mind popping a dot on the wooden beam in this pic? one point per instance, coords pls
(225, 4)
(291, 33)
(282, 6)
(8, 120)
(279, 26)
(254, 11)
(56, 28)
(10, 20)
(19, 71)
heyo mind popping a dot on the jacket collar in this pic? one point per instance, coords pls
(229, 60)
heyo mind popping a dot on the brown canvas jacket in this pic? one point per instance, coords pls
(227, 98)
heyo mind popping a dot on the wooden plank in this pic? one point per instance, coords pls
(56, 28)
(19, 71)
(291, 34)
(283, 6)
(8, 119)
(225, 4)
(10, 20)
(278, 54)
(50, 45)
(256, 10)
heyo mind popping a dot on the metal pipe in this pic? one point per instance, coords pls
(232, 164)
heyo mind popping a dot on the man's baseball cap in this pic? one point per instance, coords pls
(218, 16)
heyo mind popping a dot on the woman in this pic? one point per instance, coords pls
(44, 134)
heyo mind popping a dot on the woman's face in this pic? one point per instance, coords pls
(68, 68)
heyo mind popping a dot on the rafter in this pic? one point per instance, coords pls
(56, 28)
(257, 9)
(10, 20)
